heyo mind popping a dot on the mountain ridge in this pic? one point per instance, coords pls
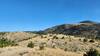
(84, 28)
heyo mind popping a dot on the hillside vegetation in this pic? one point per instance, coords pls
(49, 45)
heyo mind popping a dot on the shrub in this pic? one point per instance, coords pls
(53, 46)
(79, 39)
(92, 52)
(85, 40)
(5, 42)
(65, 49)
(92, 41)
(41, 36)
(45, 37)
(65, 42)
(63, 37)
(55, 37)
(70, 39)
(50, 35)
(41, 47)
(31, 45)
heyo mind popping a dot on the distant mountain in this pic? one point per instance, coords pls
(88, 21)
(85, 28)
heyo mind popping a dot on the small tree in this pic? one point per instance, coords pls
(31, 45)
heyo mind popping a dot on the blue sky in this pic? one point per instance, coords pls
(31, 15)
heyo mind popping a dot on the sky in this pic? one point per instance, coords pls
(34, 15)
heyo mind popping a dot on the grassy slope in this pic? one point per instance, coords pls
(74, 45)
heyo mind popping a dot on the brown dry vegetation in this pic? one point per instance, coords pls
(51, 44)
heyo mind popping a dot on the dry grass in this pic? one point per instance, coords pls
(19, 36)
(20, 51)
(52, 46)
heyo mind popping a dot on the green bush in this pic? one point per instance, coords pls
(31, 44)
(5, 42)
(92, 52)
